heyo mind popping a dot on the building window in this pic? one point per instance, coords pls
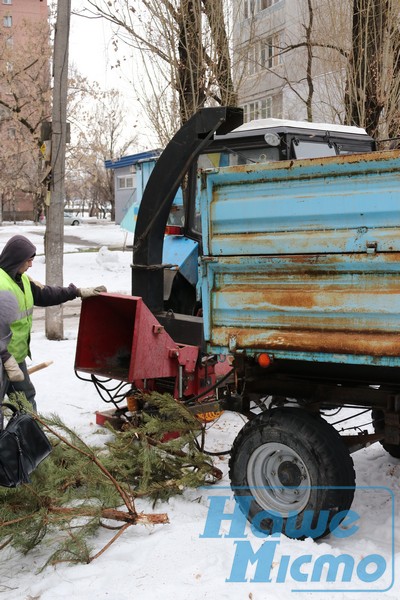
(125, 183)
(248, 8)
(252, 6)
(265, 54)
(271, 49)
(10, 42)
(7, 1)
(259, 109)
(12, 133)
(267, 3)
(265, 108)
(252, 60)
(7, 21)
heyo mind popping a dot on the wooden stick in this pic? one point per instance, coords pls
(40, 366)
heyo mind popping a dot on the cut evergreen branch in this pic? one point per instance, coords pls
(79, 486)
(159, 456)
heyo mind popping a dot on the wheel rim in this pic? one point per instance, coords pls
(279, 478)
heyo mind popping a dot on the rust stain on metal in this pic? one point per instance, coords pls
(285, 165)
(321, 260)
(323, 297)
(316, 340)
(299, 169)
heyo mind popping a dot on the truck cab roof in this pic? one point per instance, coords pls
(264, 140)
(287, 124)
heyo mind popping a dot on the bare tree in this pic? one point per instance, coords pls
(100, 133)
(373, 76)
(184, 41)
(24, 106)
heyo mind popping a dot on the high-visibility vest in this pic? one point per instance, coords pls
(21, 327)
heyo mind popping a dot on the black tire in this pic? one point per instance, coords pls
(75, 223)
(378, 420)
(285, 462)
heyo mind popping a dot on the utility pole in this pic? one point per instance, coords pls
(54, 241)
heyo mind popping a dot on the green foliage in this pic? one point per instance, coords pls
(154, 464)
(66, 479)
(76, 487)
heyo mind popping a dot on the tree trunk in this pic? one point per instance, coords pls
(214, 10)
(191, 75)
(365, 97)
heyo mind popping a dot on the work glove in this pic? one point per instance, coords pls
(13, 371)
(93, 291)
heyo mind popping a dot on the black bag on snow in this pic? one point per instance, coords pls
(23, 445)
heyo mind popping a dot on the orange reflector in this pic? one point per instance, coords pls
(264, 360)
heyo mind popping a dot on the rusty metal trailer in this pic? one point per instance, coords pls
(300, 283)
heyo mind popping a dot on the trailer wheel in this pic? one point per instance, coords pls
(283, 468)
(378, 420)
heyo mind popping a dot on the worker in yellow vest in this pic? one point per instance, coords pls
(15, 260)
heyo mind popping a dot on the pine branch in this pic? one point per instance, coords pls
(217, 473)
(73, 491)
(128, 501)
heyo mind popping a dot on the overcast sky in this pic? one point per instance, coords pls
(90, 48)
(91, 51)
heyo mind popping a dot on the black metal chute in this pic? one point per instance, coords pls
(160, 191)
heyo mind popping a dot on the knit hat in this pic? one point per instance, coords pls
(17, 250)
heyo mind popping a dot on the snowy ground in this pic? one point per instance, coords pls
(175, 560)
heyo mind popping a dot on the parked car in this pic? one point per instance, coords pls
(70, 219)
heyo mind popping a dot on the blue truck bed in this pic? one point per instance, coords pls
(301, 259)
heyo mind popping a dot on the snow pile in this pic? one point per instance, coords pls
(107, 259)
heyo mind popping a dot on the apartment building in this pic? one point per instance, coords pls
(13, 12)
(273, 65)
(23, 30)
